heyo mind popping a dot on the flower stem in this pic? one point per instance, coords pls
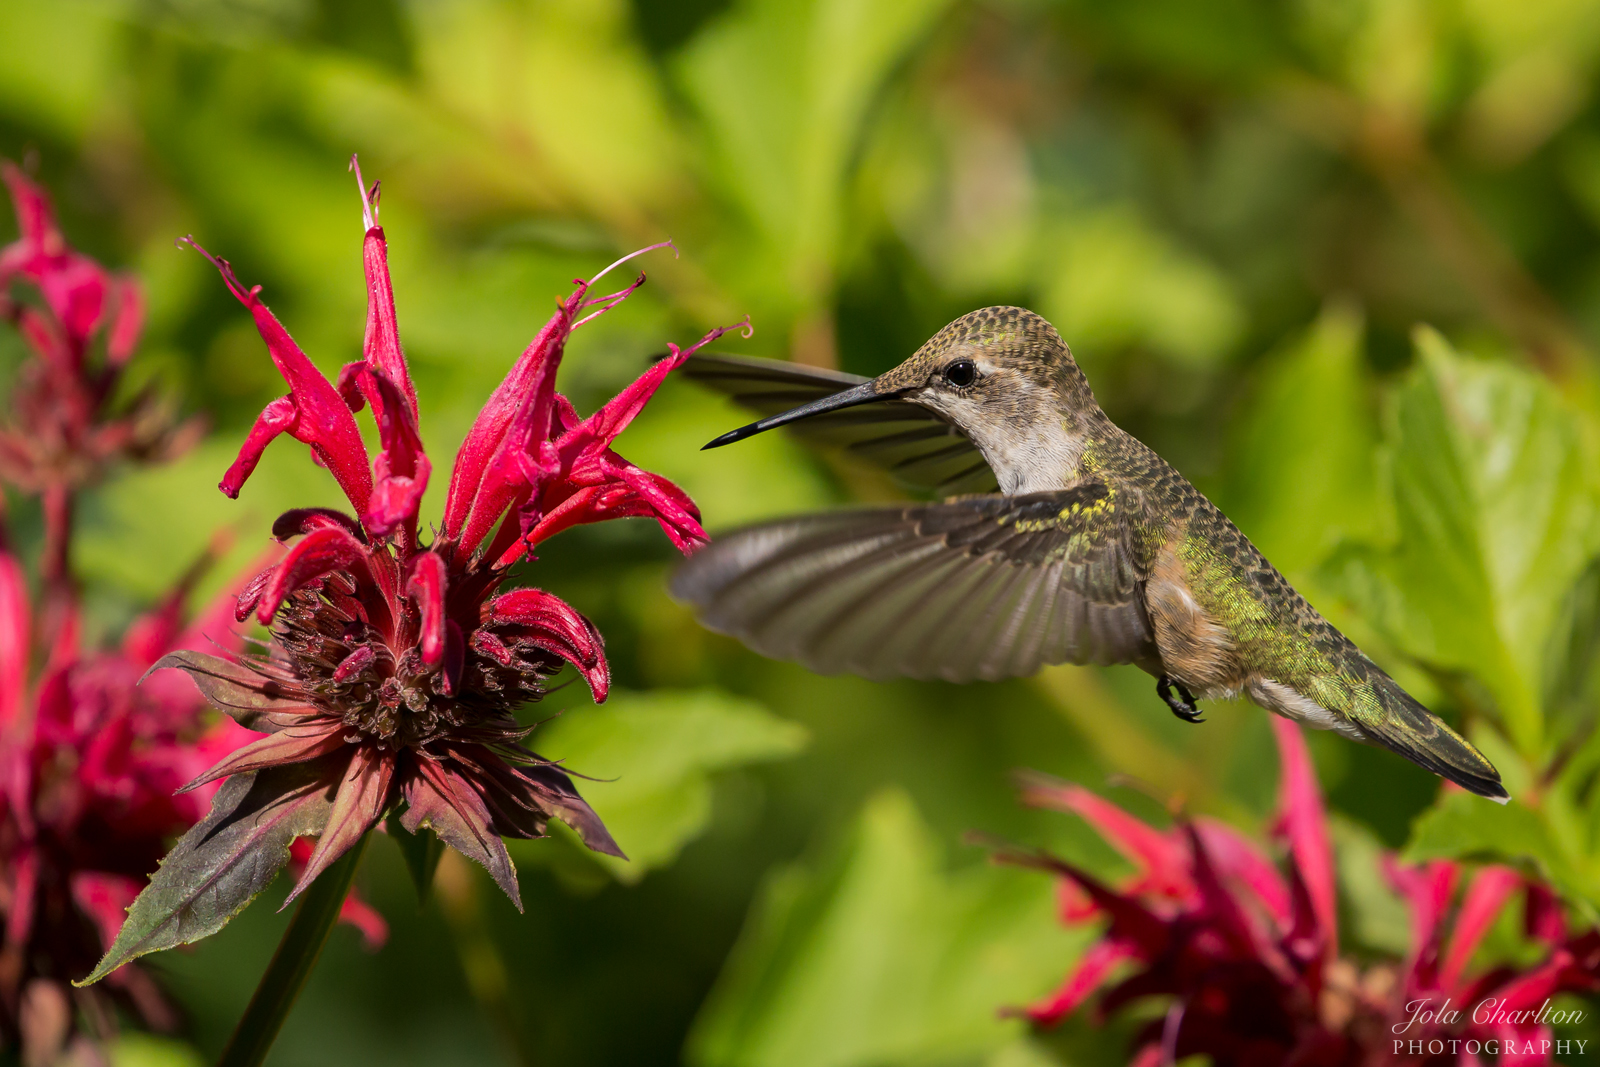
(291, 965)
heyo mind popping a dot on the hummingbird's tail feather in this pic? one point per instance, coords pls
(1408, 728)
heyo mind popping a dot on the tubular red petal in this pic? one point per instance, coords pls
(1163, 861)
(36, 219)
(360, 802)
(371, 925)
(354, 663)
(552, 624)
(24, 872)
(321, 418)
(15, 621)
(1094, 967)
(426, 585)
(276, 418)
(381, 346)
(402, 468)
(1305, 824)
(250, 595)
(1484, 900)
(293, 745)
(527, 388)
(1238, 859)
(319, 552)
(1427, 889)
(129, 320)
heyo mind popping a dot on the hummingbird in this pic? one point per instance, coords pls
(1067, 541)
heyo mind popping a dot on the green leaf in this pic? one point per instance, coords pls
(1118, 281)
(1378, 917)
(654, 754)
(133, 1049)
(1461, 826)
(1302, 476)
(882, 957)
(224, 861)
(422, 852)
(784, 90)
(1495, 511)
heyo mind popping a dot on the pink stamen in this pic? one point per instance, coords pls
(369, 198)
(610, 301)
(633, 255)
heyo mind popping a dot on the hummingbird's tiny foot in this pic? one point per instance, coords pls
(1181, 703)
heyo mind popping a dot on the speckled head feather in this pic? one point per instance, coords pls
(1010, 338)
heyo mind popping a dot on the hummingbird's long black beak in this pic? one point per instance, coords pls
(860, 394)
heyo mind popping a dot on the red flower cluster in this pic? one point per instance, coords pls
(396, 664)
(82, 323)
(89, 760)
(1248, 954)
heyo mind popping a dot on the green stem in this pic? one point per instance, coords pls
(291, 965)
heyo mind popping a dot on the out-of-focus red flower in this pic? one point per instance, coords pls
(82, 323)
(397, 663)
(89, 766)
(1246, 954)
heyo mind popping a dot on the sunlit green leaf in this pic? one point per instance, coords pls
(1496, 515)
(654, 754)
(133, 1049)
(1460, 826)
(881, 957)
(1303, 476)
(1115, 280)
(783, 88)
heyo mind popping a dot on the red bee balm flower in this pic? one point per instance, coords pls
(88, 766)
(395, 665)
(63, 427)
(1249, 957)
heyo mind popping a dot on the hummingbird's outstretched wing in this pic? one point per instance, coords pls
(976, 587)
(917, 447)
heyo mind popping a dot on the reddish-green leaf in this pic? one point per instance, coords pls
(227, 858)
(255, 701)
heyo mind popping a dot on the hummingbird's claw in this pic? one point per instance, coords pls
(1181, 703)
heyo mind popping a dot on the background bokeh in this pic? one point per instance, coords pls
(1240, 214)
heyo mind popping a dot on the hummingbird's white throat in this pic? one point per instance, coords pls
(1023, 436)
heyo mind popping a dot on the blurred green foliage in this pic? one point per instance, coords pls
(1237, 211)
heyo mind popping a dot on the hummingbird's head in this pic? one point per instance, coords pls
(1001, 374)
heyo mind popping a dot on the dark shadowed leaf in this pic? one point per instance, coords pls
(451, 808)
(235, 689)
(228, 857)
(421, 851)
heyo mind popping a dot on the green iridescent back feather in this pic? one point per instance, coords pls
(1278, 634)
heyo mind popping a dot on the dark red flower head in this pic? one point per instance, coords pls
(82, 323)
(396, 665)
(1247, 955)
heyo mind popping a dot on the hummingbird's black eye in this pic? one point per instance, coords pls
(961, 373)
